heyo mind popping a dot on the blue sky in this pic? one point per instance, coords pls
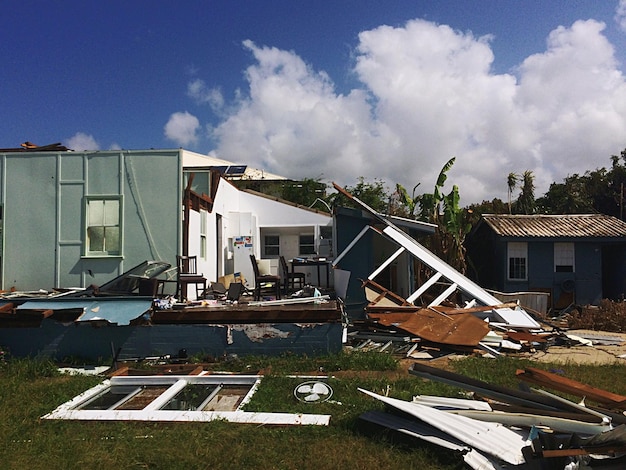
(327, 89)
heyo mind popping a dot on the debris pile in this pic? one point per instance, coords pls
(502, 427)
(445, 312)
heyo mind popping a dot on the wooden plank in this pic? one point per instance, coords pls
(7, 308)
(563, 384)
(605, 450)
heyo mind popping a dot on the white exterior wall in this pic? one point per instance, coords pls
(243, 213)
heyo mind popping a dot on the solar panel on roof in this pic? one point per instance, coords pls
(236, 170)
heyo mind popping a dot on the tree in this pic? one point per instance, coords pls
(452, 221)
(525, 203)
(511, 182)
(373, 194)
(304, 192)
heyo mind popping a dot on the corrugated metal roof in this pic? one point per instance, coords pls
(551, 226)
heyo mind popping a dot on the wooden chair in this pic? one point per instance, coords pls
(188, 275)
(290, 278)
(263, 279)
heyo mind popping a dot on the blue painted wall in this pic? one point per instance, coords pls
(599, 271)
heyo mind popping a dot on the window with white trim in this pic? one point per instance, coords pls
(103, 226)
(307, 245)
(563, 257)
(517, 255)
(203, 233)
(271, 246)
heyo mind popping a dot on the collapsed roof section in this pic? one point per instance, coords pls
(443, 273)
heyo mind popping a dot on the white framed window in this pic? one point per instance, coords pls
(307, 245)
(517, 255)
(203, 233)
(176, 398)
(271, 246)
(564, 257)
(103, 217)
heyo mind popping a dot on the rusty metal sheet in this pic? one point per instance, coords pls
(462, 329)
(563, 384)
(391, 318)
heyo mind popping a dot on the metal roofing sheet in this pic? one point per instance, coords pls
(117, 311)
(551, 226)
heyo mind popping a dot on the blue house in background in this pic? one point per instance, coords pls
(576, 258)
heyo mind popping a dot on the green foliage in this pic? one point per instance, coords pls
(525, 203)
(303, 192)
(373, 194)
(599, 191)
(453, 221)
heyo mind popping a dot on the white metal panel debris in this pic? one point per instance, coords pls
(492, 438)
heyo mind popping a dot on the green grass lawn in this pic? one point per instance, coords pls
(29, 389)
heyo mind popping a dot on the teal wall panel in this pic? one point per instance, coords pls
(29, 221)
(103, 173)
(72, 167)
(70, 210)
(43, 217)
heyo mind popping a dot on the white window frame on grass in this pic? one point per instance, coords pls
(103, 226)
(517, 261)
(159, 408)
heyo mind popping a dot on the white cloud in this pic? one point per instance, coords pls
(81, 141)
(182, 128)
(198, 91)
(620, 15)
(429, 93)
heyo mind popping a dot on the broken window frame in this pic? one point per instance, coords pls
(75, 409)
(111, 223)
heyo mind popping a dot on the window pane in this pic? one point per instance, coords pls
(272, 240)
(517, 268)
(103, 235)
(111, 212)
(112, 240)
(271, 245)
(307, 245)
(272, 251)
(564, 257)
(95, 239)
(96, 212)
(518, 259)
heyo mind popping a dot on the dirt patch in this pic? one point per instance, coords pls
(606, 348)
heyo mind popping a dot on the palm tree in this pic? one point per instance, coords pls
(526, 200)
(511, 182)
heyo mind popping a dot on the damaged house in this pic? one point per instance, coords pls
(81, 218)
(82, 232)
